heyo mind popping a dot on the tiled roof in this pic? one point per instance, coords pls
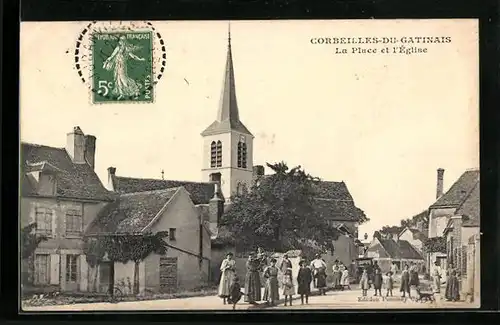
(401, 249)
(417, 234)
(200, 192)
(334, 201)
(407, 251)
(459, 191)
(131, 212)
(332, 190)
(338, 210)
(78, 181)
(470, 208)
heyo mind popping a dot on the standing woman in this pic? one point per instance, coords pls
(252, 280)
(304, 279)
(405, 282)
(271, 291)
(364, 282)
(227, 269)
(344, 280)
(414, 280)
(452, 292)
(321, 281)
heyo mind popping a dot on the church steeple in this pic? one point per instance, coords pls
(228, 118)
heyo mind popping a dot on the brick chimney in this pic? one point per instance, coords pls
(90, 150)
(216, 205)
(111, 173)
(439, 186)
(75, 145)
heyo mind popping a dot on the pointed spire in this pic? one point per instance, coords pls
(228, 118)
(228, 109)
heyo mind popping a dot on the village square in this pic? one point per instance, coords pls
(245, 237)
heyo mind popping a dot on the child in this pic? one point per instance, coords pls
(304, 279)
(288, 288)
(234, 292)
(377, 282)
(364, 283)
(389, 283)
(344, 280)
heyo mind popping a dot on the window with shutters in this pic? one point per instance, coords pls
(42, 268)
(43, 219)
(74, 222)
(72, 268)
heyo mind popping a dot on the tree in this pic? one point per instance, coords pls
(124, 248)
(279, 214)
(29, 243)
(29, 240)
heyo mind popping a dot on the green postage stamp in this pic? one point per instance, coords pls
(122, 65)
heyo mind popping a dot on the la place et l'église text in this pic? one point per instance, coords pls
(381, 40)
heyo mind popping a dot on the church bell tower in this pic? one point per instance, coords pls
(228, 144)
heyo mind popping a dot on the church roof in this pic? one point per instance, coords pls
(74, 181)
(228, 116)
(131, 212)
(200, 192)
(459, 191)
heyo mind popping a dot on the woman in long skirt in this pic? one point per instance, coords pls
(304, 279)
(271, 290)
(405, 282)
(252, 280)
(364, 282)
(452, 292)
(321, 281)
(227, 269)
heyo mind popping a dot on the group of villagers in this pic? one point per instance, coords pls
(262, 271)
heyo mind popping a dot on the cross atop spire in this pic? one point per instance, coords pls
(228, 118)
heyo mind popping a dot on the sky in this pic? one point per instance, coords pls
(382, 123)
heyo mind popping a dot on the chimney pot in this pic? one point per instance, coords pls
(111, 170)
(439, 185)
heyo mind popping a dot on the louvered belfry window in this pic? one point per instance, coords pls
(213, 154)
(218, 154)
(242, 155)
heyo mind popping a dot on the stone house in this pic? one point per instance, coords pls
(461, 229)
(414, 236)
(186, 264)
(389, 251)
(447, 205)
(61, 192)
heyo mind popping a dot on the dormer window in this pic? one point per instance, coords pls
(216, 154)
(47, 184)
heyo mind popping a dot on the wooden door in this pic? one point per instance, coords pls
(104, 276)
(168, 274)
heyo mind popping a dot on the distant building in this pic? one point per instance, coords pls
(389, 251)
(414, 236)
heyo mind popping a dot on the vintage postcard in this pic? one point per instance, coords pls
(249, 165)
